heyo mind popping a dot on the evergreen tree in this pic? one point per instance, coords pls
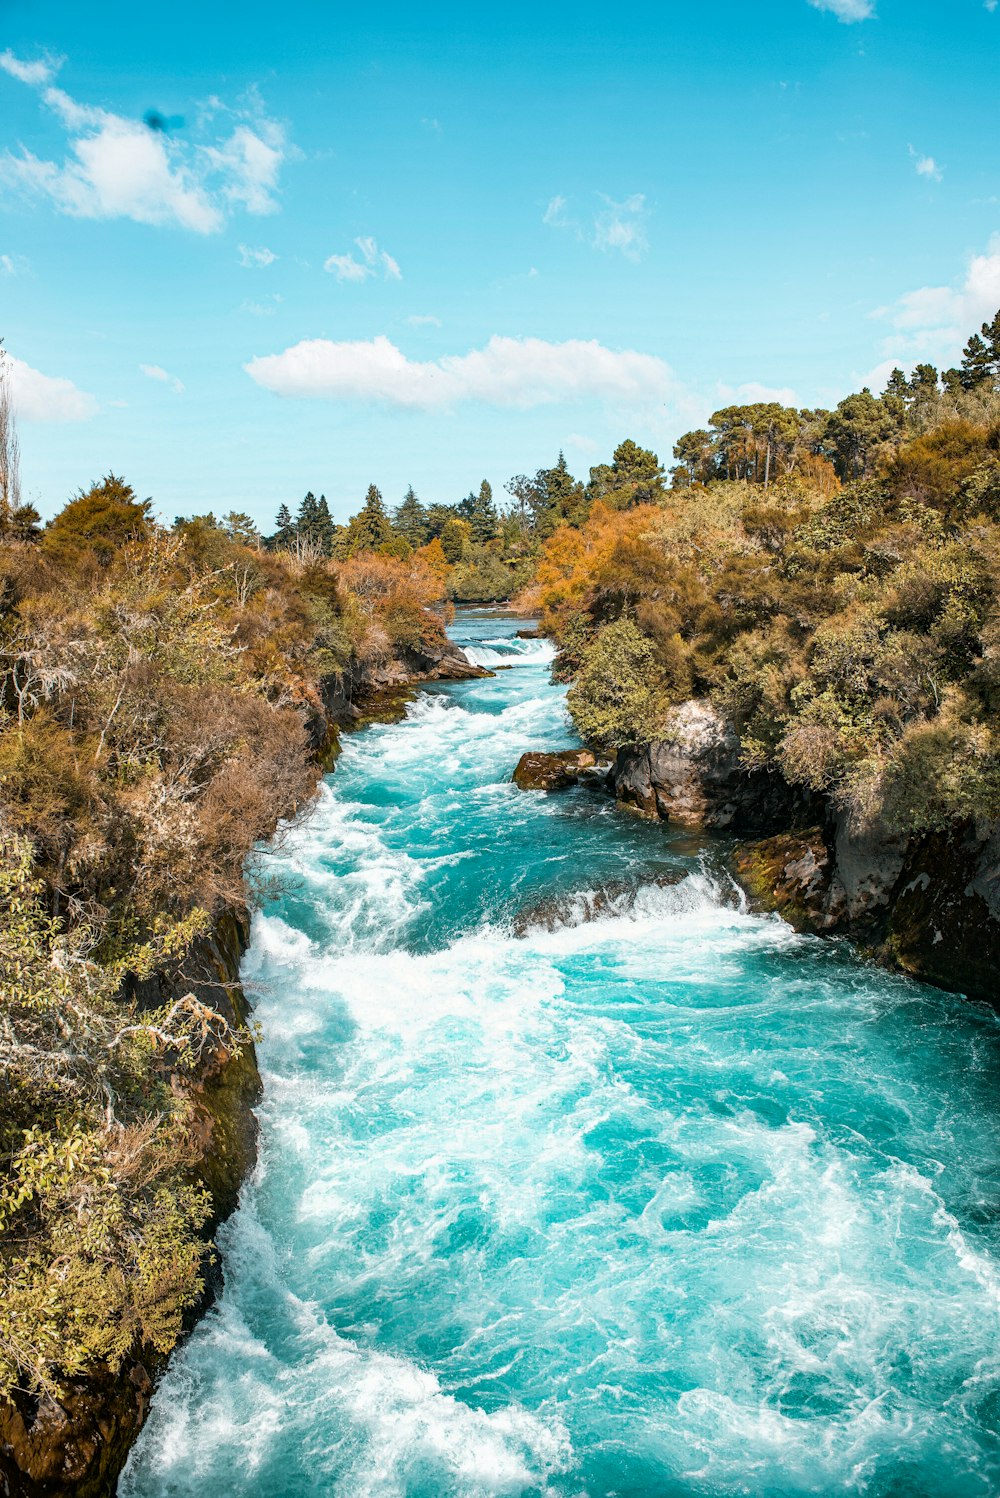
(284, 527)
(410, 519)
(306, 519)
(369, 528)
(453, 538)
(240, 527)
(897, 387)
(324, 526)
(981, 356)
(484, 519)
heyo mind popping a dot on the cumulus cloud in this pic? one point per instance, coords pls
(35, 73)
(926, 166)
(933, 322)
(39, 397)
(616, 226)
(122, 168)
(847, 10)
(509, 372)
(155, 372)
(258, 258)
(373, 261)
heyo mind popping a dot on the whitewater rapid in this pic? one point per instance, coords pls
(668, 1202)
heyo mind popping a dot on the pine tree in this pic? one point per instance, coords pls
(483, 518)
(369, 528)
(410, 519)
(977, 361)
(324, 526)
(306, 519)
(897, 386)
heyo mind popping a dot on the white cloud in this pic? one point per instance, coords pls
(263, 309)
(926, 166)
(121, 168)
(509, 372)
(934, 322)
(423, 320)
(752, 393)
(373, 260)
(616, 226)
(847, 10)
(585, 445)
(34, 73)
(258, 258)
(40, 397)
(555, 213)
(155, 372)
(13, 265)
(621, 226)
(249, 163)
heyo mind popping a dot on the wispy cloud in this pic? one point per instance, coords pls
(423, 320)
(162, 376)
(13, 265)
(373, 262)
(619, 226)
(40, 397)
(507, 372)
(926, 166)
(256, 258)
(40, 70)
(933, 322)
(847, 10)
(117, 167)
(263, 309)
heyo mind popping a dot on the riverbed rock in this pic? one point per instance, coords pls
(618, 897)
(537, 771)
(692, 777)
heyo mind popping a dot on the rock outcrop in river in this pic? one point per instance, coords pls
(930, 904)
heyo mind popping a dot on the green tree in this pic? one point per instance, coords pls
(100, 521)
(856, 431)
(620, 697)
(370, 528)
(241, 528)
(695, 459)
(484, 519)
(410, 519)
(454, 535)
(284, 529)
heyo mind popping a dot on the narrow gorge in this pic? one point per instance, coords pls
(576, 1175)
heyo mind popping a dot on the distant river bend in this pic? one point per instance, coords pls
(673, 1202)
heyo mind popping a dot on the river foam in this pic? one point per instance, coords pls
(658, 1198)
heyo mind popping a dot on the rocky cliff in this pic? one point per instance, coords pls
(929, 905)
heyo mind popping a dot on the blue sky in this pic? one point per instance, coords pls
(427, 245)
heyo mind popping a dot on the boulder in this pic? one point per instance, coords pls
(536, 771)
(692, 776)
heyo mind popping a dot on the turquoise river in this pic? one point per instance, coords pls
(667, 1202)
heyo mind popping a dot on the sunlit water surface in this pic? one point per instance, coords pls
(672, 1202)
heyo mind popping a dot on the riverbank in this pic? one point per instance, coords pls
(74, 1445)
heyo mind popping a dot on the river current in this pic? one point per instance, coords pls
(668, 1202)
